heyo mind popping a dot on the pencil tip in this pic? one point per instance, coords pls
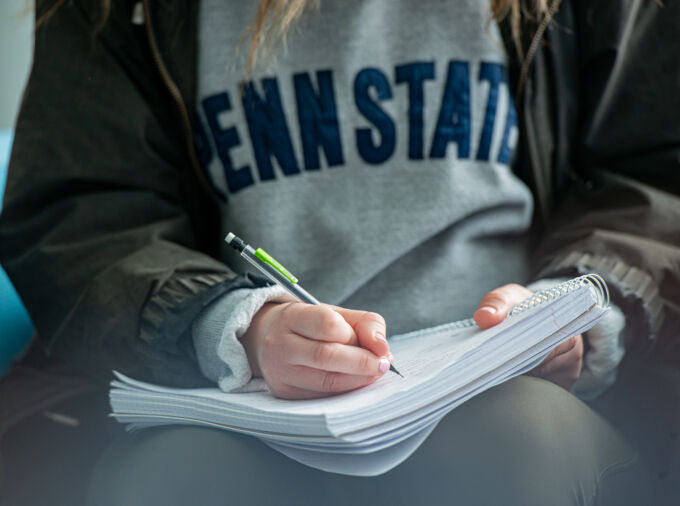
(394, 369)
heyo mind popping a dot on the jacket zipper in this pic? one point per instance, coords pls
(179, 101)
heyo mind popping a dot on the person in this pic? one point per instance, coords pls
(403, 164)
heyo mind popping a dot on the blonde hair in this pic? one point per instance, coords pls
(274, 19)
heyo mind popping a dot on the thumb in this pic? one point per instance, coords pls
(495, 305)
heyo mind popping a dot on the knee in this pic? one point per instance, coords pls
(546, 424)
(536, 443)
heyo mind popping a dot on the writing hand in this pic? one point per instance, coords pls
(305, 351)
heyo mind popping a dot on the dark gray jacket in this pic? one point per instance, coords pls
(110, 236)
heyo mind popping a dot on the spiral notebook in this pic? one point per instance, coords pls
(371, 430)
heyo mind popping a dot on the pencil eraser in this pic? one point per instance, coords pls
(229, 238)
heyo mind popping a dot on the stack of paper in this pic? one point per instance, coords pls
(370, 430)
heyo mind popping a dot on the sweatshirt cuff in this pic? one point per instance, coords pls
(216, 333)
(605, 350)
(636, 290)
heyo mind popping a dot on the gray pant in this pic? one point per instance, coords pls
(526, 442)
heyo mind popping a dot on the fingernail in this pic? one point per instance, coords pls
(488, 309)
(390, 357)
(379, 336)
(383, 365)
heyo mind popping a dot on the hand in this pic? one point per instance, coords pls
(305, 351)
(563, 365)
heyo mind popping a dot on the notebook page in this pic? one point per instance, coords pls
(371, 464)
(428, 352)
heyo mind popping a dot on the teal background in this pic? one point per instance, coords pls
(16, 47)
(15, 325)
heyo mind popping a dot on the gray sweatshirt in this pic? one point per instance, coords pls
(371, 156)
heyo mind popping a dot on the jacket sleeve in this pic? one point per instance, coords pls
(620, 215)
(99, 232)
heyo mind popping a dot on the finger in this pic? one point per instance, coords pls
(334, 357)
(495, 305)
(370, 329)
(564, 375)
(561, 348)
(555, 365)
(320, 323)
(327, 382)
(565, 346)
(564, 369)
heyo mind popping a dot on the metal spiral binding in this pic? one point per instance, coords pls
(543, 296)
(537, 299)
(463, 324)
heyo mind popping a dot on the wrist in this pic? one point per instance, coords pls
(254, 336)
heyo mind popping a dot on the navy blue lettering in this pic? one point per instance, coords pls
(318, 119)
(370, 152)
(453, 124)
(505, 151)
(268, 129)
(225, 139)
(415, 74)
(492, 72)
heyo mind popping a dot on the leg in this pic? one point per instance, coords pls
(181, 465)
(525, 442)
